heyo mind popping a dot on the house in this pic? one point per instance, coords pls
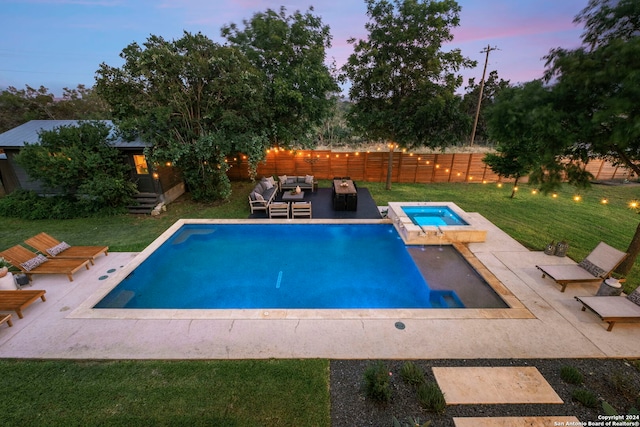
(161, 183)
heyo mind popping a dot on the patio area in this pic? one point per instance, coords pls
(548, 324)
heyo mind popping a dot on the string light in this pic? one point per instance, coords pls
(499, 185)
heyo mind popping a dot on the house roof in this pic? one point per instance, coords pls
(29, 133)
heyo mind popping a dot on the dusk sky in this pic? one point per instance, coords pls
(60, 43)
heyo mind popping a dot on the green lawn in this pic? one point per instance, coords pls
(265, 393)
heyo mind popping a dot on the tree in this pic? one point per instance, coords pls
(18, 106)
(402, 82)
(597, 86)
(525, 125)
(196, 102)
(80, 103)
(80, 162)
(290, 51)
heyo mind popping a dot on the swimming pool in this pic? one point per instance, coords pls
(433, 216)
(278, 266)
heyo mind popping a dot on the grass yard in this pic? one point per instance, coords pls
(269, 393)
(165, 393)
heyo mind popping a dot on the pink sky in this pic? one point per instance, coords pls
(58, 43)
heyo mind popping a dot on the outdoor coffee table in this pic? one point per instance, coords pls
(288, 197)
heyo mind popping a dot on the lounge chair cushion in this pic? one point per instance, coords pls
(32, 263)
(634, 297)
(592, 268)
(308, 179)
(55, 250)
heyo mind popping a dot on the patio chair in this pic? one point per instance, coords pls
(301, 210)
(278, 210)
(53, 248)
(18, 300)
(596, 267)
(30, 263)
(612, 309)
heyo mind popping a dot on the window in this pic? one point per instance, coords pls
(141, 164)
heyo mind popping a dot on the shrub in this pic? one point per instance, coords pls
(431, 398)
(411, 374)
(571, 375)
(586, 397)
(376, 382)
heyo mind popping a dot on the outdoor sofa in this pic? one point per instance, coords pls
(305, 182)
(263, 194)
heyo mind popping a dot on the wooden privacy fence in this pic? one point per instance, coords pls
(407, 167)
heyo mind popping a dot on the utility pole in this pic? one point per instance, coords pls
(484, 72)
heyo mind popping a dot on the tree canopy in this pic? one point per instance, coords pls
(598, 84)
(290, 51)
(18, 106)
(402, 81)
(196, 102)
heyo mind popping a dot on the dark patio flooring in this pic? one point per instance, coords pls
(322, 206)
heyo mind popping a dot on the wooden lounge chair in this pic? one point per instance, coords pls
(46, 244)
(18, 300)
(6, 318)
(301, 210)
(612, 309)
(18, 255)
(278, 210)
(596, 267)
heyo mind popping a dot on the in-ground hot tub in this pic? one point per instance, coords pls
(428, 223)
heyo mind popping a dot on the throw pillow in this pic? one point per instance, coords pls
(592, 268)
(55, 250)
(254, 196)
(283, 179)
(634, 297)
(291, 180)
(308, 179)
(259, 197)
(270, 179)
(266, 184)
(34, 262)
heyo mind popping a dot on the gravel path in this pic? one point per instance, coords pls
(612, 380)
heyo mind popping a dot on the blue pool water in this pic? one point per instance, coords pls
(224, 266)
(433, 216)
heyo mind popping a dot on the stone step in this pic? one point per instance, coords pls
(515, 421)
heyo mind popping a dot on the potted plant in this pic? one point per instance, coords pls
(4, 267)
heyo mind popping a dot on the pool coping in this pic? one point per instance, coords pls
(85, 310)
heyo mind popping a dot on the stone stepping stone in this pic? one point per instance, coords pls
(494, 385)
(514, 421)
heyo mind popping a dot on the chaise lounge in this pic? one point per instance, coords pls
(18, 300)
(612, 309)
(596, 267)
(30, 263)
(53, 248)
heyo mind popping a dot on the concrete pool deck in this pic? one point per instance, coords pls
(550, 324)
